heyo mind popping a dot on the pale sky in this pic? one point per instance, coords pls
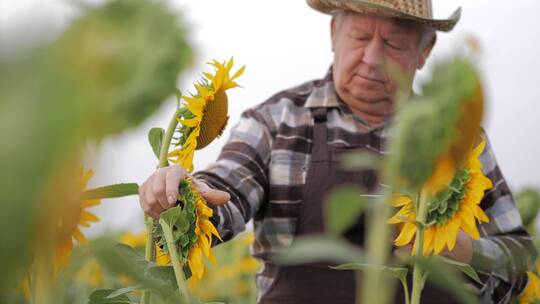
(284, 43)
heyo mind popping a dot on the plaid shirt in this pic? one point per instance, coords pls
(264, 166)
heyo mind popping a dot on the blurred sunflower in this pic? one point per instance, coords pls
(72, 219)
(467, 127)
(206, 112)
(454, 208)
(531, 295)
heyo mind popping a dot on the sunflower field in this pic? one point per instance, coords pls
(108, 72)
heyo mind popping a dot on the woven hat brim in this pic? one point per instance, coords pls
(364, 7)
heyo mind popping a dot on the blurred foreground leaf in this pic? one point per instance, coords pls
(318, 249)
(528, 203)
(343, 208)
(103, 296)
(122, 259)
(110, 69)
(438, 274)
(112, 191)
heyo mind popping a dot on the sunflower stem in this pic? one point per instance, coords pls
(378, 251)
(150, 249)
(176, 260)
(418, 272)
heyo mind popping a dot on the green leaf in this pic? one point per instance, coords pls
(361, 161)
(111, 191)
(178, 94)
(465, 268)
(171, 216)
(343, 209)
(528, 203)
(123, 291)
(122, 259)
(155, 138)
(311, 249)
(102, 296)
(439, 275)
(399, 273)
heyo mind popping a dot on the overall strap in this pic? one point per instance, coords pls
(320, 135)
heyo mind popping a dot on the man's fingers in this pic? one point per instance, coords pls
(212, 196)
(152, 206)
(158, 190)
(174, 175)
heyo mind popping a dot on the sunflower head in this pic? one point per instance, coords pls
(206, 113)
(455, 208)
(72, 218)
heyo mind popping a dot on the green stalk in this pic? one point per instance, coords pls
(378, 250)
(176, 260)
(150, 248)
(418, 272)
(42, 271)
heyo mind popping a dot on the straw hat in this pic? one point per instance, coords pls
(417, 10)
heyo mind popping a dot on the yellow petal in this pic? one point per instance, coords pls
(440, 239)
(77, 234)
(238, 73)
(88, 217)
(90, 203)
(193, 122)
(405, 236)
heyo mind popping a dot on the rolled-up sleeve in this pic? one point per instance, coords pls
(241, 170)
(505, 250)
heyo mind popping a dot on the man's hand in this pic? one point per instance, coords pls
(159, 192)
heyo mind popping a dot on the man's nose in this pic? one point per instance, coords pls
(373, 54)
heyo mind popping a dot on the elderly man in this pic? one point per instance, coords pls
(280, 160)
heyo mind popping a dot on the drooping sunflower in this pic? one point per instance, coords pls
(194, 232)
(204, 231)
(453, 209)
(206, 112)
(72, 219)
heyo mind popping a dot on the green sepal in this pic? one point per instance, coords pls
(446, 203)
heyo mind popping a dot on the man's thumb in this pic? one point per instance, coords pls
(212, 196)
(216, 197)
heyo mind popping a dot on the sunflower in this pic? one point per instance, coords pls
(454, 208)
(193, 231)
(531, 295)
(204, 230)
(467, 127)
(205, 117)
(72, 218)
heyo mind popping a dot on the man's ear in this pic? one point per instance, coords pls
(333, 32)
(426, 51)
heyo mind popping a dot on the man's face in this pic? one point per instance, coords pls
(366, 48)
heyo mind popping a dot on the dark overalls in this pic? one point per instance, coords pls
(317, 283)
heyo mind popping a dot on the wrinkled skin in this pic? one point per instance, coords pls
(368, 51)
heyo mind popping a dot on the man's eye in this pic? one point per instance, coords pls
(394, 45)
